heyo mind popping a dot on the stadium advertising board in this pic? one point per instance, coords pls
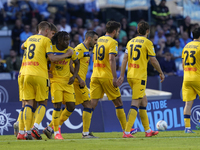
(104, 118)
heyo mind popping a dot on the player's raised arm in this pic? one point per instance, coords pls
(123, 68)
(156, 65)
(54, 58)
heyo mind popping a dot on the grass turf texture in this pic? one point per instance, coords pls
(107, 141)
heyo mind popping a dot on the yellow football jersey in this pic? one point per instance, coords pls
(191, 58)
(105, 46)
(23, 61)
(61, 69)
(38, 46)
(83, 55)
(139, 50)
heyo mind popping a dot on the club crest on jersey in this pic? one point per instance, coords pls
(77, 53)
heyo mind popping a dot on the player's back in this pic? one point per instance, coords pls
(105, 46)
(61, 69)
(191, 58)
(139, 49)
(36, 59)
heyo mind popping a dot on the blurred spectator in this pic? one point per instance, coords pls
(11, 9)
(161, 12)
(51, 19)
(160, 50)
(186, 26)
(193, 26)
(95, 23)
(81, 34)
(170, 23)
(151, 71)
(72, 44)
(166, 28)
(176, 52)
(64, 25)
(99, 31)
(34, 22)
(122, 33)
(13, 62)
(24, 35)
(124, 42)
(131, 34)
(103, 26)
(159, 35)
(124, 25)
(174, 35)
(42, 8)
(79, 22)
(2, 63)
(133, 26)
(185, 39)
(75, 39)
(168, 42)
(16, 31)
(168, 65)
(91, 9)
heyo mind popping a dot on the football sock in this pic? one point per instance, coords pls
(131, 118)
(121, 116)
(87, 114)
(187, 121)
(56, 118)
(21, 121)
(39, 114)
(27, 116)
(64, 116)
(144, 118)
(51, 123)
(33, 117)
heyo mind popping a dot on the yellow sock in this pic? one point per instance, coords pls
(21, 121)
(27, 115)
(121, 116)
(144, 118)
(39, 113)
(187, 121)
(33, 119)
(131, 118)
(64, 116)
(56, 118)
(51, 123)
(87, 114)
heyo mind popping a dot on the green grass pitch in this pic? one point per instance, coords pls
(166, 140)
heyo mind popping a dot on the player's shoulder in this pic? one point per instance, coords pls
(69, 47)
(80, 47)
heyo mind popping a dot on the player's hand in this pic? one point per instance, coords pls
(81, 83)
(162, 77)
(71, 80)
(50, 74)
(120, 80)
(115, 82)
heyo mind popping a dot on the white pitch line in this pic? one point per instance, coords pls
(149, 138)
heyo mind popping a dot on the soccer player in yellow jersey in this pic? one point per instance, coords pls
(139, 51)
(20, 124)
(104, 77)
(191, 77)
(81, 90)
(62, 89)
(36, 76)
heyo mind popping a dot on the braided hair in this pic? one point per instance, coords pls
(59, 35)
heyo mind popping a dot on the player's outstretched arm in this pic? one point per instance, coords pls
(113, 68)
(81, 82)
(54, 58)
(156, 65)
(76, 69)
(123, 68)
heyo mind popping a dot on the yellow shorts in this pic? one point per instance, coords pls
(99, 86)
(62, 92)
(190, 89)
(20, 84)
(138, 87)
(82, 95)
(35, 87)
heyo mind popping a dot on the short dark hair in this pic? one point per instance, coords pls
(90, 33)
(59, 35)
(111, 26)
(43, 25)
(196, 33)
(142, 27)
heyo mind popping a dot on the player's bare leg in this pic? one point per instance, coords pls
(87, 115)
(187, 113)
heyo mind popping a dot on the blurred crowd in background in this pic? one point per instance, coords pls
(168, 35)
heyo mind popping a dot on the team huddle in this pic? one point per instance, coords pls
(50, 63)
